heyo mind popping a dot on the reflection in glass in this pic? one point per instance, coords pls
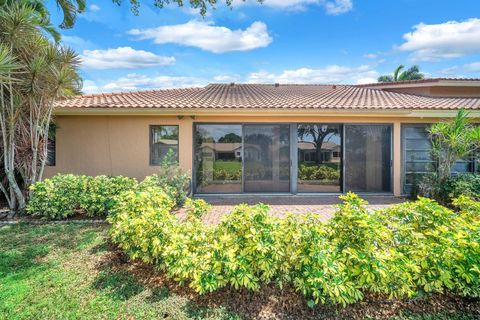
(218, 158)
(368, 158)
(164, 139)
(267, 158)
(319, 157)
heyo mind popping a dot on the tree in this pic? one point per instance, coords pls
(411, 74)
(315, 131)
(33, 74)
(202, 5)
(452, 141)
(70, 9)
(230, 138)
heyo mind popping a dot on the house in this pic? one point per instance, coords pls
(253, 138)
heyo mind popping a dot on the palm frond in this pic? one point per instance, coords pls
(397, 71)
(70, 9)
(385, 78)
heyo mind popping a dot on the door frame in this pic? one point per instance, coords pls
(391, 156)
(289, 124)
(293, 159)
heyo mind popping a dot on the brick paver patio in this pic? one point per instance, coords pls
(279, 205)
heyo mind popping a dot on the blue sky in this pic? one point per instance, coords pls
(286, 41)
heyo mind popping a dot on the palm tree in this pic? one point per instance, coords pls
(69, 8)
(34, 72)
(411, 74)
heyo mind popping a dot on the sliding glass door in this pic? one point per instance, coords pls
(294, 157)
(319, 149)
(368, 158)
(267, 158)
(218, 158)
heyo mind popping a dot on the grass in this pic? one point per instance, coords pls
(70, 271)
(230, 166)
(52, 272)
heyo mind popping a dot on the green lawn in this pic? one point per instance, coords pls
(71, 272)
(57, 272)
(230, 166)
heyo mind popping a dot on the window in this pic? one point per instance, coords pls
(417, 159)
(163, 139)
(51, 148)
(319, 157)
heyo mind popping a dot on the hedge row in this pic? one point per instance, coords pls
(65, 195)
(407, 250)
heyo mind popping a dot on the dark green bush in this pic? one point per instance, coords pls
(65, 195)
(467, 184)
(462, 184)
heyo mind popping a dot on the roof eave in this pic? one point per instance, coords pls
(72, 111)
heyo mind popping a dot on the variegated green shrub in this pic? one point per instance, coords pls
(406, 250)
(66, 194)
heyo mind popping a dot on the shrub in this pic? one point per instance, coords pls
(58, 197)
(99, 197)
(440, 247)
(315, 172)
(141, 222)
(196, 209)
(172, 178)
(467, 184)
(64, 195)
(406, 250)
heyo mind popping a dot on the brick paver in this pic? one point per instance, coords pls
(279, 205)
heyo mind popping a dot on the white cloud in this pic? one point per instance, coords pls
(227, 78)
(338, 6)
(329, 74)
(94, 7)
(206, 36)
(442, 41)
(332, 7)
(123, 58)
(370, 55)
(460, 71)
(136, 82)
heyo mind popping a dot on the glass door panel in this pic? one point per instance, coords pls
(266, 158)
(218, 158)
(319, 157)
(368, 158)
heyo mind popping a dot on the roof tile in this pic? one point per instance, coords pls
(260, 96)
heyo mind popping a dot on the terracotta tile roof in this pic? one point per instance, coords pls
(263, 96)
(429, 80)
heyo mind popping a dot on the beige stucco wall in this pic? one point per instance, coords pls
(119, 144)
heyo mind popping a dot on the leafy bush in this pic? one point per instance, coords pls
(196, 209)
(406, 250)
(142, 222)
(171, 178)
(314, 172)
(467, 184)
(440, 247)
(64, 195)
(57, 197)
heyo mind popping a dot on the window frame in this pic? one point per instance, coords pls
(150, 132)
(51, 142)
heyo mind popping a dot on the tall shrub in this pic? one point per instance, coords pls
(452, 141)
(34, 72)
